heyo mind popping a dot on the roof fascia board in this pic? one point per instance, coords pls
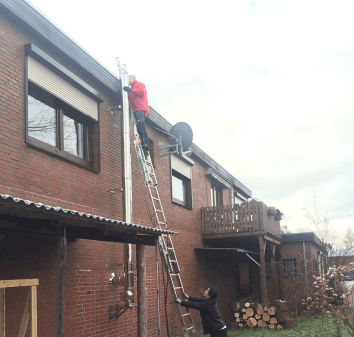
(36, 25)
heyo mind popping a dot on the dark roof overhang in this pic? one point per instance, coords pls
(300, 237)
(28, 217)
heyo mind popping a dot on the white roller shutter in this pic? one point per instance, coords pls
(53, 83)
(181, 167)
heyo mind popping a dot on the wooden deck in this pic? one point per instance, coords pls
(239, 220)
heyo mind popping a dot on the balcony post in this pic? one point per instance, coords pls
(262, 247)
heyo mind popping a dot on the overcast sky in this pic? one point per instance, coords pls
(267, 86)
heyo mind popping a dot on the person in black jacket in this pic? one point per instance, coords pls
(211, 319)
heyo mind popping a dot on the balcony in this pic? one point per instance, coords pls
(246, 219)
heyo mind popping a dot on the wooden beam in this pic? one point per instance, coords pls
(25, 317)
(33, 331)
(19, 283)
(232, 235)
(141, 291)
(2, 312)
(263, 269)
(268, 238)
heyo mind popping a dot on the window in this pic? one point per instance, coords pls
(61, 110)
(289, 268)
(57, 127)
(181, 189)
(216, 195)
(181, 175)
(244, 286)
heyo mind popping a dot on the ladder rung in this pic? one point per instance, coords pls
(192, 327)
(170, 248)
(159, 211)
(188, 313)
(173, 260)
(156, 199)
(178, 287)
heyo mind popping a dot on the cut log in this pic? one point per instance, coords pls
(240, 325)
(271, 311)
(253, 321)
(257, 316)
(249, 312)
(245, 317)
(237, 314)
(271, 326)
(265, 308)
(260, 311)
(238, 320)
(265, 317)
(247, 305)
(262, 324)
(273, 320)
(243, 309)
(279, 326)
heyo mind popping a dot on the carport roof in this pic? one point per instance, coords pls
(27, 215)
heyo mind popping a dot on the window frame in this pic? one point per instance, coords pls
(244, 293)
(188, 190)
(216, 195)
(289, 274)
(93, 163)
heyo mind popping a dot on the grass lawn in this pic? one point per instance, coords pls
(309, 328)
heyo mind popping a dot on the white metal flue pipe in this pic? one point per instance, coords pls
(128, 200)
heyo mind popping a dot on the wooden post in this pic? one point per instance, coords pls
(33, 311)
(274, 276)
(61, 286)
(263, 269)
(2, 312)
(141, 285)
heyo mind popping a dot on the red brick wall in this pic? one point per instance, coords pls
(295, 251)
(23, 257)
(33, 174)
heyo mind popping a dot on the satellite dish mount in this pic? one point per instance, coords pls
(180, 139)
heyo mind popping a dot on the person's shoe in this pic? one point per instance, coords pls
(146, 147)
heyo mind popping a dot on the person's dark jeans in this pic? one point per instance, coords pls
(220, 333)
(140, 121)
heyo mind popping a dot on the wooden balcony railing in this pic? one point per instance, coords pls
(245, 217)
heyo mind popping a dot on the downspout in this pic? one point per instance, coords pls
(128, 201)
(305, 268)
(158, 292)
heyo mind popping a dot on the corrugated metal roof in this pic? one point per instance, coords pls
(67, 213)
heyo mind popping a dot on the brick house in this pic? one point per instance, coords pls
(303, 256)
(62, 204)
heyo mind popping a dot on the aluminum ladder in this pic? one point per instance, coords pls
(167, 251)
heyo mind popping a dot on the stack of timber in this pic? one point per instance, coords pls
(282, 315)
(256, 315)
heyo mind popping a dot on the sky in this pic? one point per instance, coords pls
(267, 86)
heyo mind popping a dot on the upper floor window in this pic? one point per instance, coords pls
(181, 182)
(61, 111)
(54, 123)
(216, 195)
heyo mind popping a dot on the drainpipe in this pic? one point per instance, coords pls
(305, 268)
(158, 292)
(128, 265)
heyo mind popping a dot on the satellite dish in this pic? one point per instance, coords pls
(184, 130)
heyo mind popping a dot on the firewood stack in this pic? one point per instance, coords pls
(257, 315)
